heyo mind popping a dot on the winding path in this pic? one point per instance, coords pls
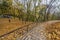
(38, 33)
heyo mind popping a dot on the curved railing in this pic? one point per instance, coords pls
(13, 35)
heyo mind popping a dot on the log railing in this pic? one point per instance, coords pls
(13, 35)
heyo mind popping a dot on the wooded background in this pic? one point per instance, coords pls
(31, 10)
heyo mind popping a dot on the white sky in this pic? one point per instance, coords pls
(45, 1)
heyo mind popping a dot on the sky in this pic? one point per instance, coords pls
(55, 4)
(47, 1)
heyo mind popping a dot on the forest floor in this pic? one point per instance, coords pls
(49, 30)
(46, 31)
(6, 26)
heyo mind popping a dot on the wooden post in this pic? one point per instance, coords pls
(27, 28)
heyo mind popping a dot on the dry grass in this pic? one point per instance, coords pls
(53, 31)
(6, 27)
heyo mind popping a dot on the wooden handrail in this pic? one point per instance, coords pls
(14, 30)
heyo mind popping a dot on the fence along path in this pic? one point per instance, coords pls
(13, 35)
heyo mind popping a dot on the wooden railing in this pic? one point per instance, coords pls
(13, 35)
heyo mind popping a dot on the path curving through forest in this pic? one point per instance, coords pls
(37, 33)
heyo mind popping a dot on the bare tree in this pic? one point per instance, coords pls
(48, 8)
